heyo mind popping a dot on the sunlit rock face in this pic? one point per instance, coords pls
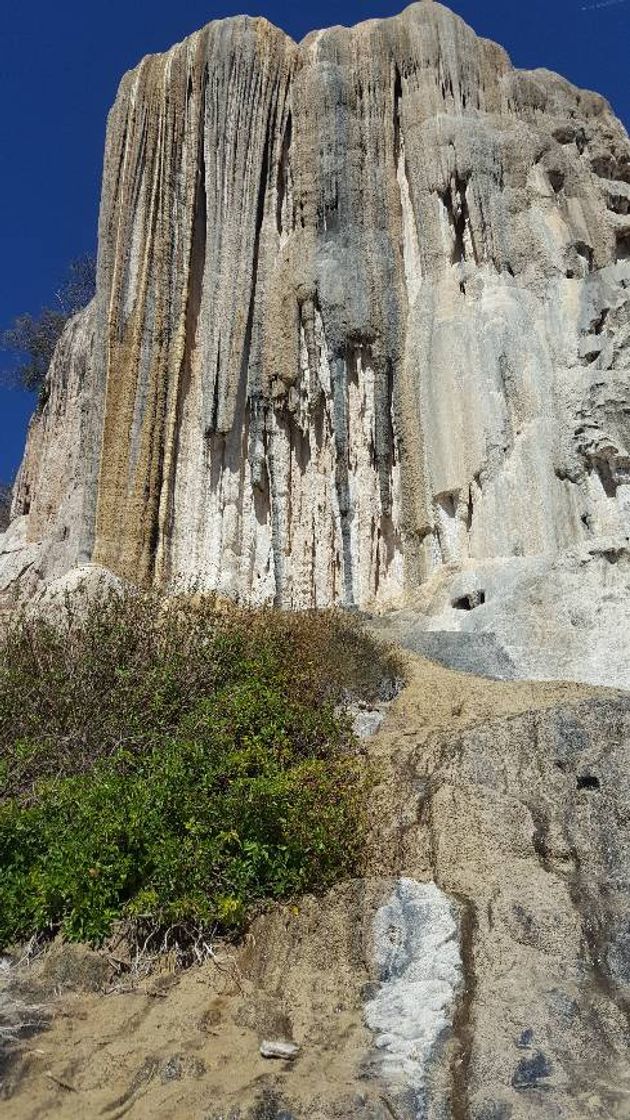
(420, 977)
(363, 311)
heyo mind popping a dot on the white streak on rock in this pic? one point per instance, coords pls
(287, 1051)
(416, 949)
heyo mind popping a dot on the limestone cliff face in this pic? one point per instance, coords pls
(363, 310)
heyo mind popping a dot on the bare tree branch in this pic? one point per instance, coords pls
(32, 339)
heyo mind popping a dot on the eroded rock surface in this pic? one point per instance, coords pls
(417, 954)
(565, 617)
(362, 313)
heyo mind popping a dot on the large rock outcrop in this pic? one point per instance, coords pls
(479, 971)
(362, 317)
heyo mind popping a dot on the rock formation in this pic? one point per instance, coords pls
(362, 336)
(480, 970)
(362, 318)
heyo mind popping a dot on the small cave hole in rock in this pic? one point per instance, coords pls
(599, 322)
(612, 555)
(619, 204)
(587, 781)
(448, 502)
(564, 135)
(470, 601)
(585, 252)
(623, 246)
(606, 477)
(556, 180)
(604, 166)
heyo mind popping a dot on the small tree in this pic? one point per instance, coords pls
(79, 286)
(5, 506)
(32, 339)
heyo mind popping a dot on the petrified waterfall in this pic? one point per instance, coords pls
(362, 336)
(362, 311)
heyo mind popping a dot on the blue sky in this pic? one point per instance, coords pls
(60, 64)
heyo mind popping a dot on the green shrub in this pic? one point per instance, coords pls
(176, 764)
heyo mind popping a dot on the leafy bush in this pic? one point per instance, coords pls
(176, 764)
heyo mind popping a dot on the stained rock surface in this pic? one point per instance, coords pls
(362, 317)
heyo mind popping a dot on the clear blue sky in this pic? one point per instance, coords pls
(60, 64)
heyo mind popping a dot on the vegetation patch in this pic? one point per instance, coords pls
(177, 763)
(5, 507)
(31, 339)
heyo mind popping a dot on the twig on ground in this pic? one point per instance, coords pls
(60, 1082)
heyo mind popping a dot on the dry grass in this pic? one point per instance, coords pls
(175, 764)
